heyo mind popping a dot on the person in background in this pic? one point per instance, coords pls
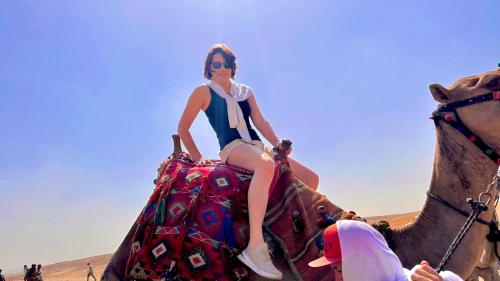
(355, 251)
(91, 272)
(30, 274)
(2, 278)
(25, 269)
(38, 273)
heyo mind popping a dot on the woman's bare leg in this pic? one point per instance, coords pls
(252, 158)
(308, 176)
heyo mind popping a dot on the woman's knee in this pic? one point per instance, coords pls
(266, 166)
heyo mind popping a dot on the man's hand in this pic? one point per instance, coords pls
(424, 272)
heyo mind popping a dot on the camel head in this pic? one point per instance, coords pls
(468, 112)
(483, 119)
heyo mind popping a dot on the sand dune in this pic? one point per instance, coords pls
(76, 270)
(396, 220)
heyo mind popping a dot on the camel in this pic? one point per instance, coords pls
(487, 268)
(461, 171)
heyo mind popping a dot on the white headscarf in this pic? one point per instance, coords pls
(239, 92)
(366, 255)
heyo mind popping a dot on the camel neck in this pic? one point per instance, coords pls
(460, 171)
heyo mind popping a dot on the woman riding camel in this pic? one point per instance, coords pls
(228, 106)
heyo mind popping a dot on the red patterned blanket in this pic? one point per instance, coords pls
(196, 222)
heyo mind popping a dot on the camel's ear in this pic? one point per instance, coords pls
(440, 93)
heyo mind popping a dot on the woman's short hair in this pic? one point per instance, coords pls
(226, 53)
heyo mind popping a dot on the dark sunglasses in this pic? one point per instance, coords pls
(218, 64)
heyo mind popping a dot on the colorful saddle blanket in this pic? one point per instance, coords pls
(196, 222)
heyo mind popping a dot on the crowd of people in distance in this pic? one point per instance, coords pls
(34, 273)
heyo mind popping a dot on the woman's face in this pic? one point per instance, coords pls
(221, 73)
(337, 269)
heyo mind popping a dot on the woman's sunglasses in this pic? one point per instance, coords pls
(218, 64)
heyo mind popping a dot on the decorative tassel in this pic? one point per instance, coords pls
(319, 242)
(448, 117)
(297, 222)
(160, 212)
(324, 219)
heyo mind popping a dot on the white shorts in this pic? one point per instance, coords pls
(224, 154)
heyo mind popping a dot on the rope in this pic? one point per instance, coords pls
(477, 207)
(449, 205)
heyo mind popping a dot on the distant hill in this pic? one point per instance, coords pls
(76, 270)
(396, 220)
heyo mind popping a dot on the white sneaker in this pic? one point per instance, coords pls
(258, 260)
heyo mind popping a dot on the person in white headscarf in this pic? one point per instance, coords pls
(229, 106)
(2, 278)
(357, 252)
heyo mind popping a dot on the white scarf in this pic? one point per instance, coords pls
(239, 92)
(366, 256)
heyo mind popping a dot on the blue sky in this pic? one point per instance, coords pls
(91, 91)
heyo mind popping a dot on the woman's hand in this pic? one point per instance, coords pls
(203, 161)
(424, 272)
(279, 146)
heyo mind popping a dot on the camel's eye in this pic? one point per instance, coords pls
(473, 82)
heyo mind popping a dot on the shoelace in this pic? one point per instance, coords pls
(266, 255)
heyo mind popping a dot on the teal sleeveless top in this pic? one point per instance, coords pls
(217, 116)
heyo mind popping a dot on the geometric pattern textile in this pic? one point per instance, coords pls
(196, 221)
(188, 224)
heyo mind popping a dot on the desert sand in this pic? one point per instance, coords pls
(73, 270)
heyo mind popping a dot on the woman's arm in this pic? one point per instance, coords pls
(196, 102)
(261, 123)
